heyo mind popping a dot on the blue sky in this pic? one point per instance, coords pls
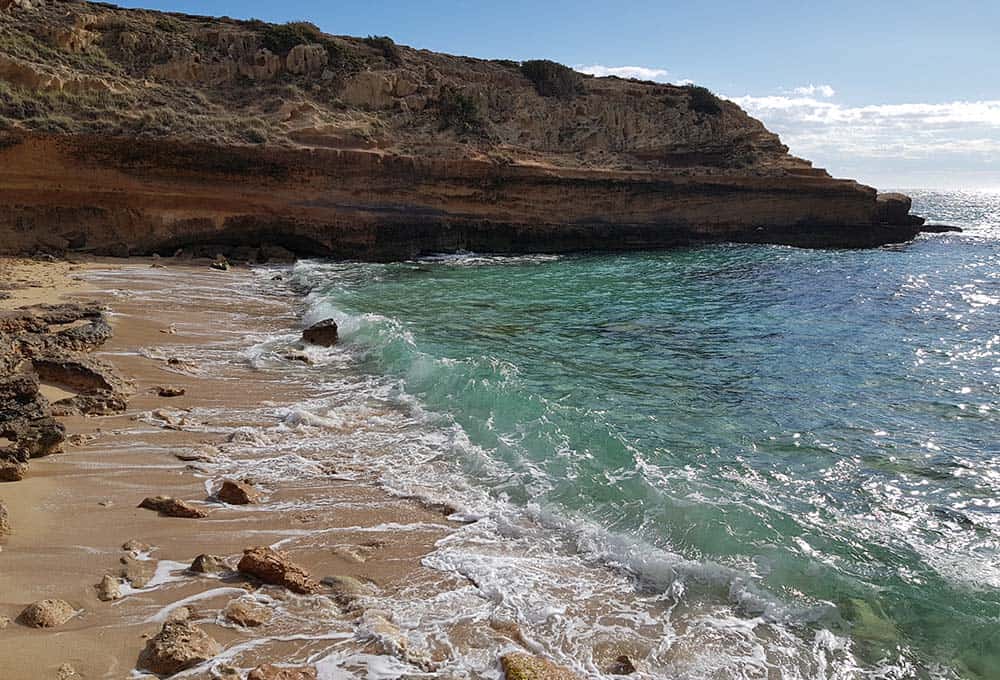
(904, 94)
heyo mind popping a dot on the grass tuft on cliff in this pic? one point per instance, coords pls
(387, 46)
(552, 79)
(703, 100)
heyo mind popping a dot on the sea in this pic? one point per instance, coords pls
(731, 461)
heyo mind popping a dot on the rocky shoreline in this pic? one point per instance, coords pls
(124, 603)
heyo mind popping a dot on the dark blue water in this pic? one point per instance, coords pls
(826, 423)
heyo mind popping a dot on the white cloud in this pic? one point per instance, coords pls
(813, 90)
(637, 72)
(827, 131)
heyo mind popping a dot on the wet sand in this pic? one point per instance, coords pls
(74, 511)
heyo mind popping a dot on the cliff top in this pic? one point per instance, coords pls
(92, 68)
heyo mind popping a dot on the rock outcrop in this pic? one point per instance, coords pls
(49, 344)
(159, 133)
(172, 507)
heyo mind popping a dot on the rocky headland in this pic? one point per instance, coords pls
(137, 132)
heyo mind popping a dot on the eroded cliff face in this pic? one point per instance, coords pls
(134, 131)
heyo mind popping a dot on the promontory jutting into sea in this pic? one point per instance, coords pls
(326, 357)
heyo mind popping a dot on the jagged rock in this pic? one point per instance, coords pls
(520, 666)
(271, 672)
(307, 59)
(109, 589)
(275, 568)
(347, 590)
(323, 333)
(237, 493)
(137, 572)
(4, 520)
(178, 646)
(209, 564)
(170, 391)
(172, 507)
(4, 622)
(622, 666)
(248, 613)
(47, 613)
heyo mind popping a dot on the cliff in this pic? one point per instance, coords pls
(131, 131)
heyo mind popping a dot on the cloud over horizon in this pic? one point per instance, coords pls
(636, 72)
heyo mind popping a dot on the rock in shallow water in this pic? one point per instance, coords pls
(271, 672)
(519, 666)
(275, 568)
(178, 646)
(47, 613)
(247, 612)
(209, 564)
(237, 493)
(323, 333)
(109, 589)
(4, 520)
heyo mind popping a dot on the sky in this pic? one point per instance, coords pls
(895, 94)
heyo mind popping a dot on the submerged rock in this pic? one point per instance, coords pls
(347, 590)
(209, 564)
(237, 493)
(248, 613)
(109, 589)
(47, 613)
(178, 646)
(172, 507)
(276, 568)
(137, 572)
(271, 672)
(170, 391)
(622, 666)
(323, 333)
(520, 666)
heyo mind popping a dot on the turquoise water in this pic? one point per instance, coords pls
(825, 423)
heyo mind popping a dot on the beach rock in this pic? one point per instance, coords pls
(275, 568)
(323, 333)
(271, 672)
(137, 572)
(622, 666)
(12, 470)
(209, 564)
(248, 613)
(47, 614)
(520, 666)
(136, 547)
(237, 493)
(4, 520)
(67, 672)
(220, 263)
(79, 439)
(109, 589)
(178, 646)
(389, 639)
(347, 590)
(170, 391)
(4, 622)
(172, 507)
(180, 614)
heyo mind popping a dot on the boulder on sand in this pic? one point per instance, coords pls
(172, 507)
(275, 568)
(237, 493)
(109, 589)
(323, 333)
(178, 646)
(47, 613)
(247, 612)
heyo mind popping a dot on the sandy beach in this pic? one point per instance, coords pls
(75, 511)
